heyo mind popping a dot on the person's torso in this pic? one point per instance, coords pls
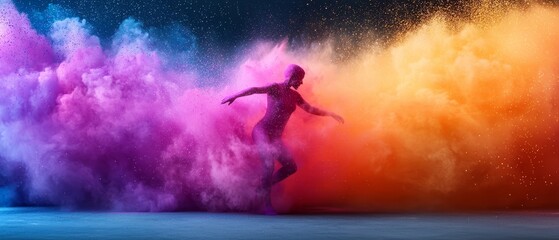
(281, 102)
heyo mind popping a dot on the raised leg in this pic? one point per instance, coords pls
(288, 165)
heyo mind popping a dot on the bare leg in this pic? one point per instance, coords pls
(288, 165)
(268, 170)
(267, 155)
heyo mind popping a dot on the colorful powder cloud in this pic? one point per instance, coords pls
(451, 116)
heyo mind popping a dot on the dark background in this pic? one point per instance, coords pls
(224, 26)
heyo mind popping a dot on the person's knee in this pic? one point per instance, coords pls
(291, 168)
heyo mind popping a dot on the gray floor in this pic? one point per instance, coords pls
(39, 223)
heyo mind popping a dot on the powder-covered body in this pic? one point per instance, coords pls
(282, 101)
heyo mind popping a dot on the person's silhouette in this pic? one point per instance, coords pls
(282, 101)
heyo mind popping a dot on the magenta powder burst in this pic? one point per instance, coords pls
(454, 115)
(110, 128)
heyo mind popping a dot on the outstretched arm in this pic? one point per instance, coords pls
(246, 92)
(317, 111)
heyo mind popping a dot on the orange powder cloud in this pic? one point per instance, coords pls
(450, 117)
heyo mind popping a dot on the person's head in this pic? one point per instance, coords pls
(294, 75)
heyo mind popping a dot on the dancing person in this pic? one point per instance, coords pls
(281, 102)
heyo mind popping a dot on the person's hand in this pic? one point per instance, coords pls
(228, 100)
(337, 118)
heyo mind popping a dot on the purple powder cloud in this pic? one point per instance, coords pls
(83, 127)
